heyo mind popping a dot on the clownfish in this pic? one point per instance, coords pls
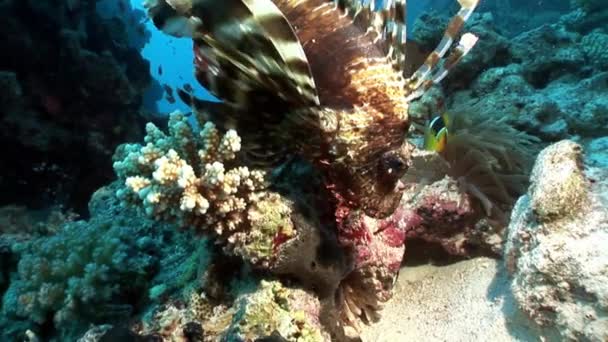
(436, 133)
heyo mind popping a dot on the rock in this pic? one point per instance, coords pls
(556, 248)
(558, 187)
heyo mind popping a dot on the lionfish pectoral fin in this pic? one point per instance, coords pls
(250, 44)
(220, 113)
(436, 66)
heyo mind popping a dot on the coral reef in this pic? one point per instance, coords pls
(270, 310)
(187, 180)
(291, 313)
(72, 87)
(556, 247)
(95, 271)
(278, 213)
(84, 272)
(527, 79)
(64, 275)
(197, 183)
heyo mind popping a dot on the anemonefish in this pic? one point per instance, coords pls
(436, 133)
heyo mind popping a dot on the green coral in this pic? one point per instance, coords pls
(83, 273)
(271, 219)
(271, 310)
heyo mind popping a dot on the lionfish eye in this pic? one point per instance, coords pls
(392, 165)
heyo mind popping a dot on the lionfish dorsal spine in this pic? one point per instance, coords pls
(436, 67)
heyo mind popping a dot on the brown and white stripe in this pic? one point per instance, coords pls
(435, 67)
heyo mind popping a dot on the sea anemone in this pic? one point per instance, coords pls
(491, 160)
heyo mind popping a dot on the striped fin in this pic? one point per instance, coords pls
(436, 67)
(387, 19)
(349, 67)
(259, 147)
(242, 46)
(248, 56)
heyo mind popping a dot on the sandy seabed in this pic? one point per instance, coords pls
(464, 301)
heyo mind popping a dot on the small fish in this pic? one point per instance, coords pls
(168, 89)
(188, 87)
(160, 69)
(170, 99)
(185, 96)
(436, 133)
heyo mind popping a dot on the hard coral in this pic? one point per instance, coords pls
(274, 309)
(197, 183)
(271, 309)
(194, 182)
(82, 273)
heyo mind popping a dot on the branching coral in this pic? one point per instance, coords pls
(82, 273)
(194, 182)
(197, 183)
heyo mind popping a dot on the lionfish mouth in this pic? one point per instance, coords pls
(325, 79)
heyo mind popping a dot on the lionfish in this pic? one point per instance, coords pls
(322, 79)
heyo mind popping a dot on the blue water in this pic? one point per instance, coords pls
(173, 55)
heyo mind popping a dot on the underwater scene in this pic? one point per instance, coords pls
(303, 170)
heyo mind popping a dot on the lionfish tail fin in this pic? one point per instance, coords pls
(436, 66)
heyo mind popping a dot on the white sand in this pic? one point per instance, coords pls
(465, 301)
